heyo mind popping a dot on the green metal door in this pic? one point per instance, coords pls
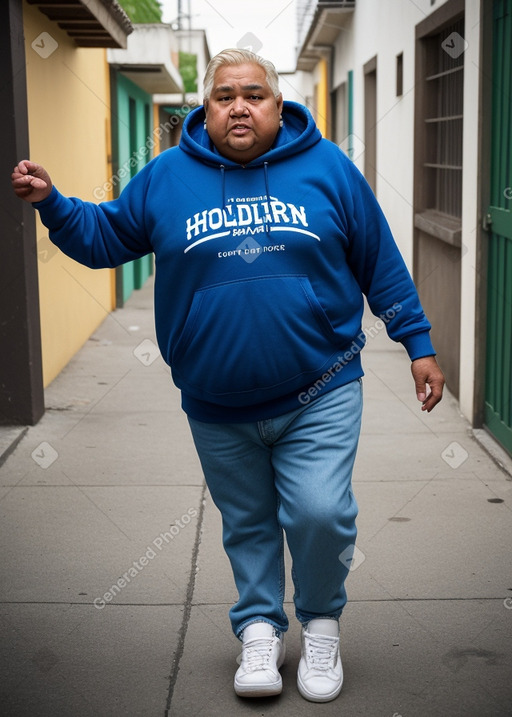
(498, 390)
(132, 130)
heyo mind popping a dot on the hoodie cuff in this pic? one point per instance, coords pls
(50, 199)
(418, 345)
(55, 209)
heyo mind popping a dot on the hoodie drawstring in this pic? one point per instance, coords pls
(223, 175)
(222, 168)
(267, 190)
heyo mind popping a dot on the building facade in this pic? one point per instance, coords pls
(53, 109)
(78, 98)
(148, 66)
(408, 97)
(71, 139)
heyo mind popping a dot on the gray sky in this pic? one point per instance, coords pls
(268, 27)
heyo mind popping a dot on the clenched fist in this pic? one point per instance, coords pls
(31, 181)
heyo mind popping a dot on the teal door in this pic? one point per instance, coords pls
(133, 131)
(498, 388)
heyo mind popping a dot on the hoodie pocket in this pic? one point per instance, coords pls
(250, 341)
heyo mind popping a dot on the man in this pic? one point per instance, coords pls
(265, 237)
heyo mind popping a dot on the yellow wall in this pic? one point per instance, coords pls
(69, 130)
(322, 97)
(156, 123)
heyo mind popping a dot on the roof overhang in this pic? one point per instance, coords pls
(147, 60)
(90, 23)
(328, 21)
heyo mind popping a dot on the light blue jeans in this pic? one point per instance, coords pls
(294, 473)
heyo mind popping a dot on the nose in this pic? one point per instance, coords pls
(238, 107)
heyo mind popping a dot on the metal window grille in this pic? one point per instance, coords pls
(444, 119)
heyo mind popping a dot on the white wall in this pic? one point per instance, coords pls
(385, 30)
(470, 207)
(297, 86)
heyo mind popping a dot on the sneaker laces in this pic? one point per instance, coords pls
(321, 651)
(256, 653)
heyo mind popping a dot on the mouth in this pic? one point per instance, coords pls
(239, 129)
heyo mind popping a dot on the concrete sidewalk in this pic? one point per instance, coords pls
(115, 589)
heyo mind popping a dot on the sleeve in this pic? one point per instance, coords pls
(382, 274)
(99, 235)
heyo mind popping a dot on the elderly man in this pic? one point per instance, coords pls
(266, 237)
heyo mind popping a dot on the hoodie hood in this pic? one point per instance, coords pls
(299, 132)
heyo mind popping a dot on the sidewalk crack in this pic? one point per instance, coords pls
(173, 677)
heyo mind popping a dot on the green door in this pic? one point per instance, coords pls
(132, 118)
(498, 390)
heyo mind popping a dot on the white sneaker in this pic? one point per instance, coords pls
(262, 656)
(320, 673)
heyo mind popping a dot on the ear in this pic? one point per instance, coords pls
(205, 105)
(279, 103)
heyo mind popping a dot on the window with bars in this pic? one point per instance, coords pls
(443, 120)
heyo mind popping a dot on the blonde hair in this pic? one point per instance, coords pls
(239, 57)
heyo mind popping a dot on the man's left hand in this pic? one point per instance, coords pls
(429, 381)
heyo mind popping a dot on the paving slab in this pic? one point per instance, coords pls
(400, 658)
(10, 436)
(425, 629)
(99, 510)
(426, 548)
(66, 544)
(109, 476)
(60, 660)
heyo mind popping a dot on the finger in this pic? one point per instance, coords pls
(19, 180)
(23, 166)
(430, 403)
(38, 183)
(433, 398)
(22, 180)
(23, 192)
(422, 391)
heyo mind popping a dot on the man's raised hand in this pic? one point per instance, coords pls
(31, 181)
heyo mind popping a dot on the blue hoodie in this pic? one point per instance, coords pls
(260, 269)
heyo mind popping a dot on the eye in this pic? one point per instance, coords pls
(255, 97)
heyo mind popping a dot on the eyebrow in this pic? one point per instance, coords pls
(228, 88)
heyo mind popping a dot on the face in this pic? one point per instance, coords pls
(242, 114)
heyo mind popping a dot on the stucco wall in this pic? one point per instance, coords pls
(69, 130)
(384, 30)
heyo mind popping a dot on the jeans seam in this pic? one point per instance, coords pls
(282, 577)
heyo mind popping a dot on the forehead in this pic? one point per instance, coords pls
(240, 75)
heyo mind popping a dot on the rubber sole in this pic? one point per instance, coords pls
(259, 690)
(311, 697)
